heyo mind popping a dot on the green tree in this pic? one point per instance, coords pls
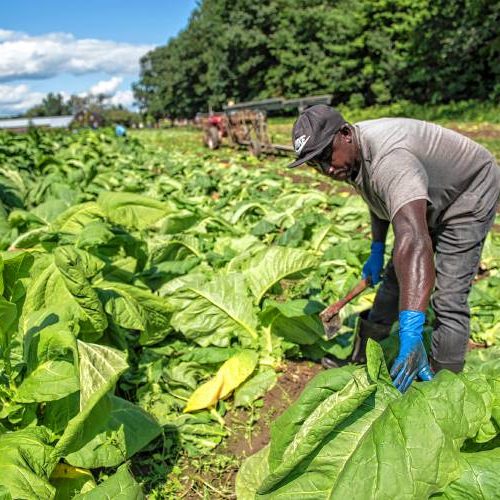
(364, 52)
(454, 52)
(51, 105)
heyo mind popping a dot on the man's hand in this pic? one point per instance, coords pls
(375, 263)
(412, 359)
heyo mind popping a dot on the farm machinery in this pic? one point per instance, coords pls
(245, 124)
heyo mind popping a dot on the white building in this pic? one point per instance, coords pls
(21, 124)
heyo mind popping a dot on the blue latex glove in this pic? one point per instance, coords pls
(412, 359)
(375, 264)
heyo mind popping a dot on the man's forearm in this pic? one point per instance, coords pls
(414, 266)
(413, 258)
(379, 228)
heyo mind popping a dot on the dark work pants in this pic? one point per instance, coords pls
(457, 254)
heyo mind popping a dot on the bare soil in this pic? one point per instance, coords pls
(290, 384)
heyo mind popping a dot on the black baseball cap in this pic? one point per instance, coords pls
(313, 131)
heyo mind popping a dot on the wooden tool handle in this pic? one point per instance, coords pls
(332, 310)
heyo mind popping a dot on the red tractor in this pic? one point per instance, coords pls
(214, 129)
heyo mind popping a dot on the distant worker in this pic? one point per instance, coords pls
(439, 190)
(120, 131)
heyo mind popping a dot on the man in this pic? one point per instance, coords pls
(439, 190)
(120, 131)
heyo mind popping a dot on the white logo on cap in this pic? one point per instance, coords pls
(300, 142)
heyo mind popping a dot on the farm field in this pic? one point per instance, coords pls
(159, 325)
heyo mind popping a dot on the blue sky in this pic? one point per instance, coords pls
(80, 46)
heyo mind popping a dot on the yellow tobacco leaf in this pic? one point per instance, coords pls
(68, 471)
(230, 375)
(68, 479)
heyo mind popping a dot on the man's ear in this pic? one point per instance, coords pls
(346, 133)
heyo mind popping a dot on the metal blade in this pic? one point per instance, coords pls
(332, 326)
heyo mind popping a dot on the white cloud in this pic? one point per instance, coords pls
(18, 98)
(109, 88)
(15, 99)
(122, 97)
(45, 56)
(106, 87)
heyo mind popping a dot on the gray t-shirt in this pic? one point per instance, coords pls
(406, 160)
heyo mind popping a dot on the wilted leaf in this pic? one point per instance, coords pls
(69, 481)
(229, 376)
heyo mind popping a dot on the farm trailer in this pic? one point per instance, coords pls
(245, 124)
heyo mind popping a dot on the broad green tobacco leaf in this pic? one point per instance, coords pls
(487, 362)
(90, 312)
(52, 379)
(114, 430)
(479, 479)
(328, 415)
(132, 210)
(209, 355)
(100, 368)
(94, 234)
(216, 311)
(49, 210)
(251, 474)
(174, 248)
(29, 239)
(137, 309)
(25, 456)
(229, 376)
(58, 413)
(292, 202)
(8, 320)
(179, 221)
(407, 446)
(320, 388)
(1, 276)
(490, 256)
(119, 486)
(237, 246)
(16, 274)
(51, 358)
(272, 265)
(59, 284)
(77, 218)
(245, 208)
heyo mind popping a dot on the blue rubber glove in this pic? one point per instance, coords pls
(375, 264)
(412, 359)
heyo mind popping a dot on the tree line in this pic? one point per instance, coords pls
(362, 53)
(55, 104)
